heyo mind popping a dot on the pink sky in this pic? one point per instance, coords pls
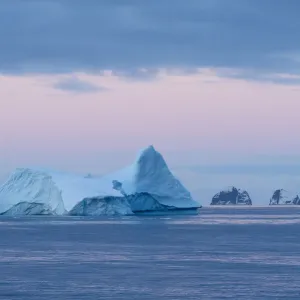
(176, 113)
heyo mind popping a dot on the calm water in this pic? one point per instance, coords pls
(221, 254)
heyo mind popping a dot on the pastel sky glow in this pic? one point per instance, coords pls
(206, 82)
(196, 112)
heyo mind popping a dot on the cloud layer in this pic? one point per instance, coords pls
(59, 36)
(76, 85)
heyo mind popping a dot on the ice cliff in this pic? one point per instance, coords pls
(98, 206)
(29, 208)
(146, 185)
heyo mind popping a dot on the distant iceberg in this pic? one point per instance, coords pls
(146, 185)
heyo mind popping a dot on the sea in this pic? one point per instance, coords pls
(222, 253)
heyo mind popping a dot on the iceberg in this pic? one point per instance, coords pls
(149, 174)
(146, 185)
(58, 191)
(30, 186)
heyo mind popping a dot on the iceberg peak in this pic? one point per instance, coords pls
(150, 148)
(148, 153)
(150, 162)
(150, 175)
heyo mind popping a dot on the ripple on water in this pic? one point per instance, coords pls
(219, 254)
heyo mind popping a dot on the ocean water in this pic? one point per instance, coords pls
(224, 253)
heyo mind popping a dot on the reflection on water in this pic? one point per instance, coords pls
(224, 253)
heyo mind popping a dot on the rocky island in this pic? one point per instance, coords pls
(283, 197)
(232, 196)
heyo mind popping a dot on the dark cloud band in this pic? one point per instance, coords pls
(58, 36)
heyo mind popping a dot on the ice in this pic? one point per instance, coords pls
(146, 202)
(150, 174)
(26, 185)
(99, 206)
(147, 185)
(29, 208)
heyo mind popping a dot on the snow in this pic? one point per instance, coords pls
(150, 174)
(26, 185)
(148, 183)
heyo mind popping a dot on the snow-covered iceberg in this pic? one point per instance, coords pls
(149, 177)
(232, 196)
(31, 186)
(146, 185)
(284, 197)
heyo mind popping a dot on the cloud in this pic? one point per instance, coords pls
(262, 76)
(76, 85)
(59, 36)
(140, 74)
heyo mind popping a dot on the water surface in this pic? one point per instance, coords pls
(224, 253)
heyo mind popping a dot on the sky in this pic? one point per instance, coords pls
(214, 85)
